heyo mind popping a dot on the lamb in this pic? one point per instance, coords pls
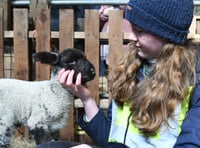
(41, 104)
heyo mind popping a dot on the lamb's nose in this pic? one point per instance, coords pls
(92, 71)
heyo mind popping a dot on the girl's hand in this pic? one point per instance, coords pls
(65, 77)
(104, 12)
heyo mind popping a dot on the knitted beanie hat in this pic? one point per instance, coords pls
(169, 19)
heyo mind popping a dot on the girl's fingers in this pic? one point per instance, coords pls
(60, 73)
(63, 75)
(70, 78)
(78, 81)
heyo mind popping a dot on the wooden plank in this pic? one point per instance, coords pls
(92, 47)
(21, 64)
(35, 7)
(66, 25)
(104, 103)
(1, 44)
(198, 25)
(43, 42)
(115, 37)
(5, 5)
(92, 53)
(77, 35)
(192, 29)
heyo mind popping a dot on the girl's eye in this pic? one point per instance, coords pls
(72, 63)
(137, 29)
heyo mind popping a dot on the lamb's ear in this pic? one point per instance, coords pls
(45, 57)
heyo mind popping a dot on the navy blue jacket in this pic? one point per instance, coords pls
(190, 132)
(98, 128)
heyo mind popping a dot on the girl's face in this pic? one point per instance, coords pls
(148, 46)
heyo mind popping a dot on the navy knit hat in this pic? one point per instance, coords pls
(169, 19)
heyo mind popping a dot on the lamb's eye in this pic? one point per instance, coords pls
(72, 63)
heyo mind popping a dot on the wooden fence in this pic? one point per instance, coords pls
(22, 36)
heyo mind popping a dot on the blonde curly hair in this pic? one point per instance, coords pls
(156, 96)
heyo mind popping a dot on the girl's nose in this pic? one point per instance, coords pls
(132, 36)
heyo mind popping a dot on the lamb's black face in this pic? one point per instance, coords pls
(76, 60)
(69, 59)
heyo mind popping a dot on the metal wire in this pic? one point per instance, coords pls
(80, 2)
(73, 2)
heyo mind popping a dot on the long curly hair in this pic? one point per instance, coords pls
(157, 95)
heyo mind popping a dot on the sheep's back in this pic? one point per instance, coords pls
(25, 97)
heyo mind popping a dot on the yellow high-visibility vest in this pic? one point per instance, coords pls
(124, 131)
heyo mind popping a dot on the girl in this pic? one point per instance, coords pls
(156, 89)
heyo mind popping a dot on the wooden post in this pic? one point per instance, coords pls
(115, 37)
(66, 28)
(1, 43)
(92, 52)
(21, 51)
(5, 5)
(66, 35)
(35, 7)
(198, 25)
(43, 42)
(92, 47)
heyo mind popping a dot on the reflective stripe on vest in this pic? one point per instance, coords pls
(165, 138)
